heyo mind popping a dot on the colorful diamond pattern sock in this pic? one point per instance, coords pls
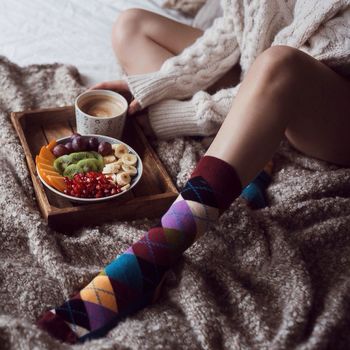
(133, 279)
(255, 192)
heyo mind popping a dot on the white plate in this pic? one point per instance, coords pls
(134, 180)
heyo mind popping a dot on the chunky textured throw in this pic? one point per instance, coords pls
(247, 28)
(133, 279)
(275, 279)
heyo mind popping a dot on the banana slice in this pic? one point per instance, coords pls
(130, 169)
(123, 179)
(129, 159)
(120, 162)
(124, 188)
(111, 168)
(120, 150)
(109, 159)
(113, 178)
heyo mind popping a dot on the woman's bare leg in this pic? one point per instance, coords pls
(285, 92)
(143, 40)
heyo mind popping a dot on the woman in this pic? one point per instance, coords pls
(284, 92)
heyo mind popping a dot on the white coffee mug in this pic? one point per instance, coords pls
(111, 125)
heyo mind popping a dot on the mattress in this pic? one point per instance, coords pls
(68, 31)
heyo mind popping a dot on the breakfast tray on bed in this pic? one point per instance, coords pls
(149, 198)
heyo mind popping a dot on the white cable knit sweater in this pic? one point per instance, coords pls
(248, 27)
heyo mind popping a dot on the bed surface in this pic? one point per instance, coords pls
(67, 31)
(276, 278)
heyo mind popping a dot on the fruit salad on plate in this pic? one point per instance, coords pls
(87, 167)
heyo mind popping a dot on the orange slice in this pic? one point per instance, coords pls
(46, 154)
(57, 182)
(42, 160)
(51, 145)
(44, 166)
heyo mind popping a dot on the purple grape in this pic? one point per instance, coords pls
(93, 144)
(85, 143)
(60, 150)
(79, 144)
(74, 136)
(69, 147)
(104, 148)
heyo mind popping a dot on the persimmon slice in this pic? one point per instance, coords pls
(49, 172)
(44, 166)
(51, 145)
(43, 176)
(57, 182)
(42, 160)
(46, 154)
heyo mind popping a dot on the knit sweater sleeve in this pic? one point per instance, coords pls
(201, 116)
(325, 35)
(331, 42)
(196, 68)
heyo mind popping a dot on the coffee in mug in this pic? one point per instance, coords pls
(100, 106)
(101, 112)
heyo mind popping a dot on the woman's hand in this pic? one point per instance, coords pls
(121, 87)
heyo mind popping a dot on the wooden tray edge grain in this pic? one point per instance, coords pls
(43, 203)
(150, 206)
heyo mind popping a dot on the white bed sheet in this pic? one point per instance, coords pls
(76, 32)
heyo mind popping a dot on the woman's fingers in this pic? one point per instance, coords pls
(122, 87)
(115, 85)
(134, 107)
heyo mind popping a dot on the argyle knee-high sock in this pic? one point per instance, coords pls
(255, 192)
(133, 279)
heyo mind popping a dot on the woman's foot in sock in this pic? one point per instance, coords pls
(133, 279)
(255, 192)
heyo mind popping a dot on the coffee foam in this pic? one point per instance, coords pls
(101, 106)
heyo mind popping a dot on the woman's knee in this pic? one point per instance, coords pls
(127, 27)
(281, 66)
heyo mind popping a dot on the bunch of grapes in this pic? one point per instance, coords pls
(78, 143)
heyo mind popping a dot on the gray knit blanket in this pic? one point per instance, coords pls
(276, 278)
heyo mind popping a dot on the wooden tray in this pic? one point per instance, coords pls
(149, 198)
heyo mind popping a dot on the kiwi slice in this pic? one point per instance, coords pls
(71, 170)
(77, 156)
(78, 162)
(61, 163)
(90, 164)
(99, 159)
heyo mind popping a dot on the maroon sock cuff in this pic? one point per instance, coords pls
(221, 177)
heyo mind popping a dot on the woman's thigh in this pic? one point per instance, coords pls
(171, 35)
(321, 126)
